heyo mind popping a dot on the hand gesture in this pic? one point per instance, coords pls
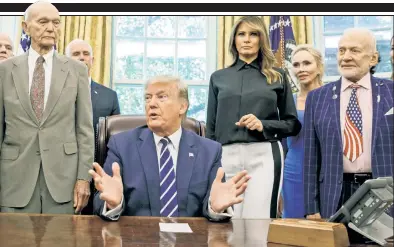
(111, 188)
(224, 195)
(251, 122)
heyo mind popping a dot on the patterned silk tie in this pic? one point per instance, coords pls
(353, 132)
(37, 90)
(168, 191)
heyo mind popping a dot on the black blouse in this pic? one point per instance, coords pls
(242, 89)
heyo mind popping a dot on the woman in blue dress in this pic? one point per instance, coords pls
(308, 68)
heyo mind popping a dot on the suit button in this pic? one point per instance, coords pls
(38, 152)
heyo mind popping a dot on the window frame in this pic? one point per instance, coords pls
(319, 34)
(211, 54)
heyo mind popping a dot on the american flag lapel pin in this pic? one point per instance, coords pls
(191, 155)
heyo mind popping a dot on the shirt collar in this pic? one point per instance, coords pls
(364, 82)
(33, 55)
(175, 138)
(240, 64)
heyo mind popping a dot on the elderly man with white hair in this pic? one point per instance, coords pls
(348, 128)
(46, 132)
(6, 47)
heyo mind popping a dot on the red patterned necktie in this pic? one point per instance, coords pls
(353, 131)
(37, 90)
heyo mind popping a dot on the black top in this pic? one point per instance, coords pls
(242, 89)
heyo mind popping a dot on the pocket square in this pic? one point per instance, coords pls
(390, 112)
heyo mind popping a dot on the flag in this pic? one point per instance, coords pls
(25, 42)
(282, 45)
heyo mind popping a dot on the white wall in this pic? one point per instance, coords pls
(10, 26)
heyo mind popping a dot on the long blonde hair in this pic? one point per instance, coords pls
(316, 54)
(265, 57)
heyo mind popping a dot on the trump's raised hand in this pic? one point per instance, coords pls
(224, 195)
(111, 188)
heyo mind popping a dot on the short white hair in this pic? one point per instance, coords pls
(370, 37)
(77, 41)
(28, 10)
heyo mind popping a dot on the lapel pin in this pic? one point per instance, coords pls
(191, 155)
(378, 98)
(95, 92)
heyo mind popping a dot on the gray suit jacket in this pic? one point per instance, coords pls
(63, 142)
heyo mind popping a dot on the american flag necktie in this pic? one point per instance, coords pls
(353, 132)
(168, 190)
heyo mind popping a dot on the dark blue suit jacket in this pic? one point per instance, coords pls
(104, 101)
(135, 151)
(323, 161)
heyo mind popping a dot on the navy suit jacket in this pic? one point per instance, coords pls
(135, 151)
(104, 101)
(323, 161)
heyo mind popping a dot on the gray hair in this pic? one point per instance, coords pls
(370, 37)
(77, 41)
(4, 35)
(27, 12)
(182, 87)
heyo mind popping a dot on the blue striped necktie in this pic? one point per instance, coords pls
(168, 192)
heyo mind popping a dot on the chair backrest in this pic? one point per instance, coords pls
(112, 125)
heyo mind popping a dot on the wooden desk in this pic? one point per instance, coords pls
(92, 231)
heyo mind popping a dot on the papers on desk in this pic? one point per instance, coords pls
(175, 227)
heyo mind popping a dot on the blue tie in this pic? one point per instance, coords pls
(168, 193)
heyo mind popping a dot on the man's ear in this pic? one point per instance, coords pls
(374, 59)
(184, 107)
(24, 27)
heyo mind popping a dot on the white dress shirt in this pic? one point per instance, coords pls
(173, 147)
(48, 65)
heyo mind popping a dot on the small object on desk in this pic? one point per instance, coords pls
(175, 227)
(300, 232)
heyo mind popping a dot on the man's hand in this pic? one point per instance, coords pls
(315, 216)
(81, 195)
(224, 195)
(251, 122)
(111, 188)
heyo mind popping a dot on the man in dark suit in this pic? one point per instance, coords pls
(104, 100)
(349, 124)
(162, 169)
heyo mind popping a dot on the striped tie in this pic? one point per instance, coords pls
(353, 132)
(168, 192)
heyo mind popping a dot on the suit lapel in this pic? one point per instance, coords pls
(335, 96)
(59, 75)
(377, 104)
(20, 75)
(94, 93)
(148, 155)
(184, 168)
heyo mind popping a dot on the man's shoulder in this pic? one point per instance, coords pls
(10, 62)
(103, 88)
(130, 135)
(72, 62)
(202, 142)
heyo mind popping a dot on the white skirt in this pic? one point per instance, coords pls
(264, 163)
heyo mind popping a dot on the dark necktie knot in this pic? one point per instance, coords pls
(165, 141)
(355, 86)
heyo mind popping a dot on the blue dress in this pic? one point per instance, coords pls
(293, 186)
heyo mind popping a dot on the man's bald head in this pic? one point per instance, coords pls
(37, 7)
(6, 47)
(42, 24)
(356, 53)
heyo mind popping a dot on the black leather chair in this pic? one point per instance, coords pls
(112, 125)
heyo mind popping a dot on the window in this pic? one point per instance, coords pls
(145, 46)
(328, 30)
